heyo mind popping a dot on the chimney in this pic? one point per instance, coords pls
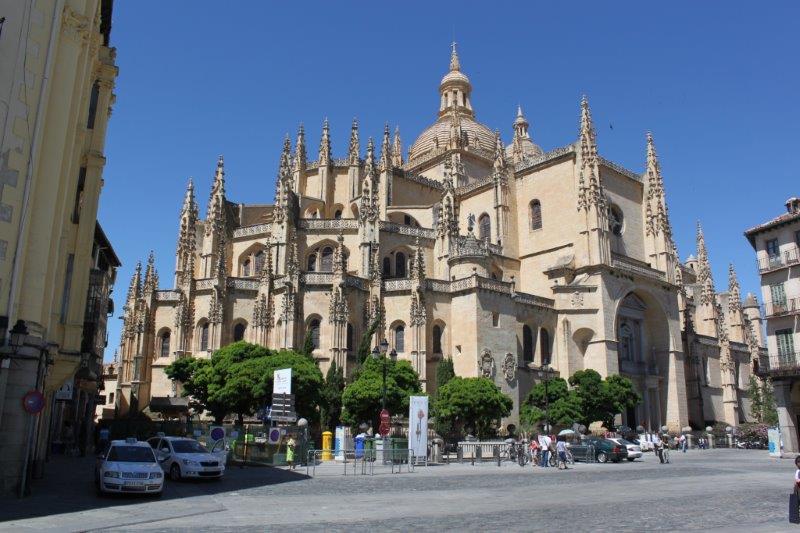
(793, 205)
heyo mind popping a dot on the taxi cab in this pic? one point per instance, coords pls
(183, 457)
(128, 466)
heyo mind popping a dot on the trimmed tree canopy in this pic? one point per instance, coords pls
(475, 403)
(361, 400)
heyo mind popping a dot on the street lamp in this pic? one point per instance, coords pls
(380, 352)
(544, 376)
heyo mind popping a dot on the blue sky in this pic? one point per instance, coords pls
(716, 83)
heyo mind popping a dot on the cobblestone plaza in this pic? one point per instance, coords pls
(700, 490)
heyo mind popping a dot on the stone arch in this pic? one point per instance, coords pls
(354, 210)
(314, 325)
(399, 217)
(163, 343)
(239, 329)
(438, 337)
(399, 262)
(203, 334)
(248, 258)
(643, 345)
(398, 336)
(337, 211)
(485, 227)
(320, 256)
(582, 337)
(528, 343)
(545, 343)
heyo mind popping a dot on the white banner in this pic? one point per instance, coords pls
(282, 381)
(418, 425)
(775, 448)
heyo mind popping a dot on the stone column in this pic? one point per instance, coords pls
(786, 415)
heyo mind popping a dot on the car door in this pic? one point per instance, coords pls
(164, 455)
(220, 451)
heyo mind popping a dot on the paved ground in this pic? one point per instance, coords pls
(715, 489)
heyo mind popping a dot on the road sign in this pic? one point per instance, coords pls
(33, 402)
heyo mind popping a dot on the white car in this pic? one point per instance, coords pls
(128, 466)
(634, 450)
(182, 457)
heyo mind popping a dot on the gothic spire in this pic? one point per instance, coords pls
(397, 148)
(215, 214)
(499, 154)
(353, 151)
(590, 186)
(325, 145)
(734, 294)
(704, 277)
(187, 238)
(300, 159)
(135, 287)
(267, 272)
(339, 259)
(150, 276)
(656, 202)
(369, 162)
(418, 264)
(386, 150)
(520, 125)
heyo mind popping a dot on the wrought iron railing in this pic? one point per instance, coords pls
(779, 364)
(782, 307)
(779, 260)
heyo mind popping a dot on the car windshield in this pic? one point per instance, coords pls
(188, 446)
(624, 442)
(131, 454)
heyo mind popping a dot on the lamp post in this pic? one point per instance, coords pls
(380, 352)
(544, 376)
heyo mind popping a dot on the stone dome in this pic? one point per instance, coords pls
(438, 134)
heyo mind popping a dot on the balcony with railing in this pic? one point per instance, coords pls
(789, 306)
(779, 365)
(782, 259)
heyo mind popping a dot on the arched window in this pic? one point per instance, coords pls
(536, 214)
(313, 327)
(349, 338)
(94, 98)
(387, 267)
(544, 342)
(437, 339)
(527, 344)
(485, 227)
(110, 398)
(326, 263)
(400, 339)
(400, 265)
(246, 268)
(338, 214)
(616, 221)
(204, 337)
(259, 262)
(626, 342)
(238, 332)
(164, 351)
(311, 264)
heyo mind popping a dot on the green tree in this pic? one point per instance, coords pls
(756, 399)
(473, 403)
(562, 408)
(444, 373)
(361, 400)
(365, 345)
(238, 379)
(308, 345)
(331, 397)
(601, 400)
(769, 409)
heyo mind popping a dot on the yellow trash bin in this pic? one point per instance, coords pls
(327, 444)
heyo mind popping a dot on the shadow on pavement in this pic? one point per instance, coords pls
(68, 487)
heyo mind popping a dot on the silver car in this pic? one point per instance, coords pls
(182, 457)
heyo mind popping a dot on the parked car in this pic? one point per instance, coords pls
(644, 443)
(182, 457)
(128, 466)
(604, 450)
(634, 450)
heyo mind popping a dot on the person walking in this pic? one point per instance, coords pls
(544, 444)
(684, 442)
(794, 497)
(658, 446)
(561, 448)
(534, 450)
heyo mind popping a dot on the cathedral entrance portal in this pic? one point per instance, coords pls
(642, 351)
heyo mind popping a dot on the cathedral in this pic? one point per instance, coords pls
(517, 263)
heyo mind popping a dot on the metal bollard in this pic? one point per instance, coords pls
(497, 454)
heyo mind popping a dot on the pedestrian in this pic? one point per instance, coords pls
(684, 442)
(544, 444)
(561, 448)
(291, 444)
(534, 450)
(103, 435)
(658, 447)
(794, 498)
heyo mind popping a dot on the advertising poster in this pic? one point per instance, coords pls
(418, 425)
(282, 381)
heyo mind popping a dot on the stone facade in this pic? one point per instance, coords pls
(777, 246)
(57, 71)
(504, 258)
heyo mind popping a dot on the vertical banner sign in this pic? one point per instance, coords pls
(339, 443)
(774, 436)
(418, 425)
(282, 381)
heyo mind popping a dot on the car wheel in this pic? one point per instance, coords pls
(175, 472)
(631, 459)
(602, 457)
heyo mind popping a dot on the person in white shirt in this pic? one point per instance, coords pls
(658, 446)
(544, 442)
(561, 449)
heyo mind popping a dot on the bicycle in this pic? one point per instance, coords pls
(522, 456)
